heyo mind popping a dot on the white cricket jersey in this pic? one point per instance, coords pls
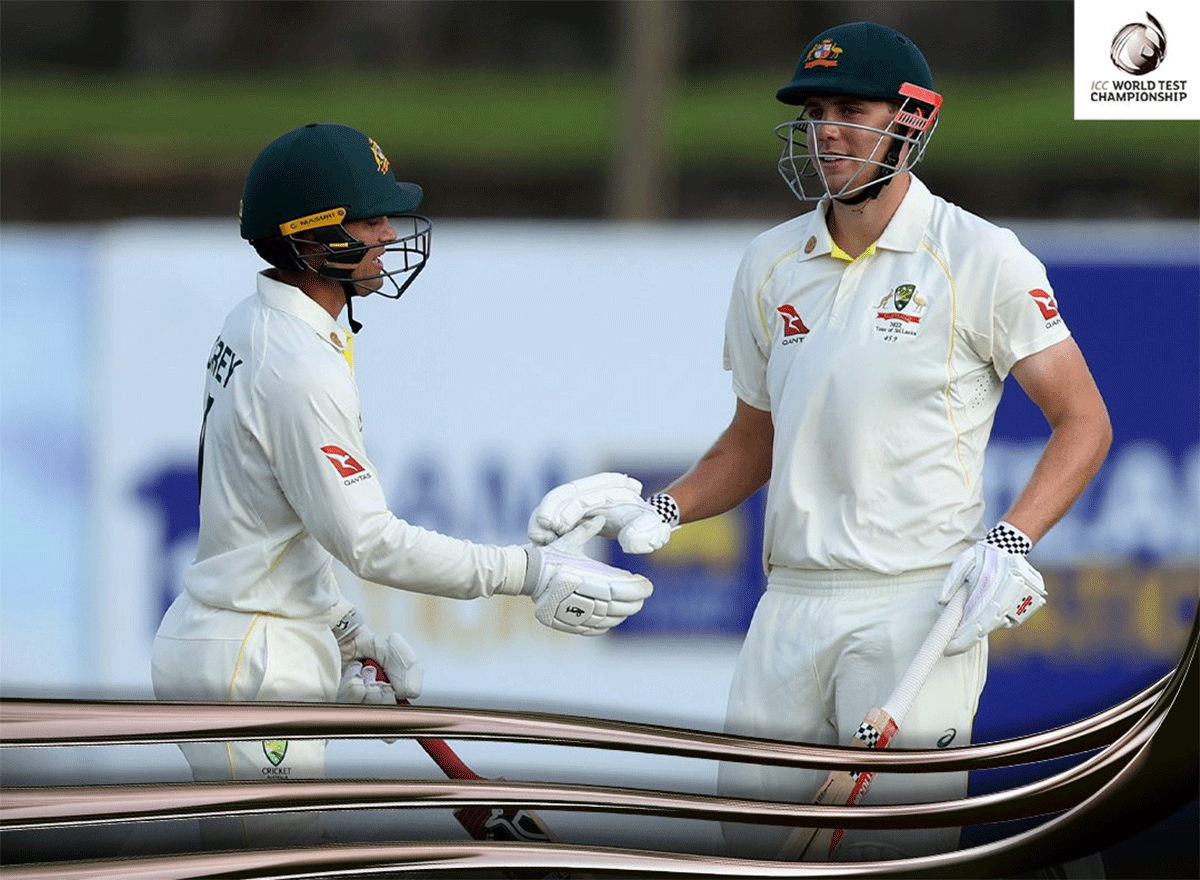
(882, 376)
(286, 485)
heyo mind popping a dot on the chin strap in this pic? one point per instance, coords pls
(355, 326)
(872, 192)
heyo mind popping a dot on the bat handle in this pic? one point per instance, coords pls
(931, 650)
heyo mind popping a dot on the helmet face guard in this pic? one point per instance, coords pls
(308, 183)
(905, 137)
(340, 252)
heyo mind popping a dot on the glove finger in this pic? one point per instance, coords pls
(538, 533)
(644, 534)
(606, 480)
(563, 506)
(378, 693)
(632, 589)
(572, 542)
(578, 629)
(397, 651)
(957, 575)
(414, 680)
(960, 644)
(620, 610)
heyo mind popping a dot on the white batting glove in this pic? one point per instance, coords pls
(575, 593)
(639, 525)
(360, 684)
(1004, 590)
(357, 642)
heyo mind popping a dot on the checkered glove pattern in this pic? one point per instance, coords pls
(1008, 538)
(1003, 589)
(640, 525)
(666, 507)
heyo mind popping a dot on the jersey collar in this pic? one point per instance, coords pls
(903, 233)
(908, 224)
(292, 300)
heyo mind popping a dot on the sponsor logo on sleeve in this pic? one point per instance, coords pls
(345, 464)
(1048, 305)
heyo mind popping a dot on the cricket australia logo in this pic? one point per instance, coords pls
(899, 313)
(275, 749)
(794, 329)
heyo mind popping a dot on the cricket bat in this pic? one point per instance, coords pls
(878, 729)
(482, 823)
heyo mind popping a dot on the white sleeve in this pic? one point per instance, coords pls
(316, 450)
(1025, 316)
(746, 342)
(1010, 312)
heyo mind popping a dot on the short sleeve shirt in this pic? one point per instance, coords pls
(882, 375)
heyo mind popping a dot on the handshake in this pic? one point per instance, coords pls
(572, 592)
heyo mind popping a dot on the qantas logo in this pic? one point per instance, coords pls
(345, 463)
(1046, 302)
(794, 328)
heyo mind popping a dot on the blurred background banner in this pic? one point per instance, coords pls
(594, 171)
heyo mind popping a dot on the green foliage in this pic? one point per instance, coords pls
(537, 120)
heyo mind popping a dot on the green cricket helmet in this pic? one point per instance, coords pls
(306, 184)
(862, 60)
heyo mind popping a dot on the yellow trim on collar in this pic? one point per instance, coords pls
(838, 254)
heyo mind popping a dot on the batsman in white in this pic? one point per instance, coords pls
(869, 340)
(286, 486)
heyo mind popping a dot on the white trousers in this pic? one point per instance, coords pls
(214, 654)
(822, 650)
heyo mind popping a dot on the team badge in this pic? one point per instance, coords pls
(824, 54)
(275, 749)
(899, 312)
(381, 161)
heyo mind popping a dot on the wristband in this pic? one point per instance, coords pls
(1008, 538)
(664, 505)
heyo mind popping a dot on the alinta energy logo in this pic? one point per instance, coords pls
(1138, 48)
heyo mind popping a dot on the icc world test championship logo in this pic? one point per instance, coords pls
(1139, 48)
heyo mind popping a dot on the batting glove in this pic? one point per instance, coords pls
(357, 642)
(1004, 590)
(639, 525)
(576, 594)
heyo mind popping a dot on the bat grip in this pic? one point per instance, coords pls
(906, 690)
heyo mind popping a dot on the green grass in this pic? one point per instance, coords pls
(549, 121)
